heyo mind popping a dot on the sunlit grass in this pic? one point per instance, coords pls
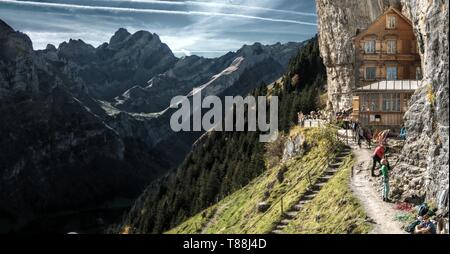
(238, 212)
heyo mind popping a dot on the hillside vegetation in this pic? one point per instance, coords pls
(238, 213)
(334, 210)
(222, 163)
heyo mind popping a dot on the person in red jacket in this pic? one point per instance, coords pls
(378, 154)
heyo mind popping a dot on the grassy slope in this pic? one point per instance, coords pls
(334, 210)
(238, 213)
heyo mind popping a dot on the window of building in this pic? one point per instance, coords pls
(391, 22)
(369, 102)
(371, 73)
(406, 98)
(374, 102)
(391, 73)
(391, 46)
(418, 73)
(369, 47)
(364, 106)
(391, 102)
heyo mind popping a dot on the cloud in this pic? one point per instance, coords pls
(149, 11)
(215, 4)
(208, 29)
(186, 52)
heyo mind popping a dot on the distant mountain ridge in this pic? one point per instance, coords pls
(79, 124)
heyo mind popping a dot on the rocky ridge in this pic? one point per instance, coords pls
(71, 145)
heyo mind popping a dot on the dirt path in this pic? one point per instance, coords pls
(213, 220)
(364, 187)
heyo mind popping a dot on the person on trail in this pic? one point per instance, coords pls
(355, 127)
(377, 156)
(358, 139)
(382, 137)
(301, 119)
(426, 226)
(368, 136)
(360, 136)
(384, 171)
(402, 134)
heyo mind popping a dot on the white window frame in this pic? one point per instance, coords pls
(366, 71)
(391, 102)
(391, 46)
(370, 46)
(389, 73)
(391, 22)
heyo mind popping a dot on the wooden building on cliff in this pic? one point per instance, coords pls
(387, 70)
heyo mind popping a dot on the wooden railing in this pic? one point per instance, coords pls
(324, 162)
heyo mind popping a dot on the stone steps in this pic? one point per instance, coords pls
(290, 215)
(324, 179)
(280, 227)
(330, 172)
(335, 165)
(297, 207)
(311, 193)
(284, 222)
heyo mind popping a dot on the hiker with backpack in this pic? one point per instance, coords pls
(426, 226)
(377, 156)
(384, 172)
(423, 224)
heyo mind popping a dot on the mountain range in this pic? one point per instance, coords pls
(86, 129)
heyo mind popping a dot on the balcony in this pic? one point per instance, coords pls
(385, 56)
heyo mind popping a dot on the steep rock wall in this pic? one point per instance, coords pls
(424, 162)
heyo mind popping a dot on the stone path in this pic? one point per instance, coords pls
(364, 187)
(310, 194)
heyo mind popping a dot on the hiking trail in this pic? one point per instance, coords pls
(364, 188)
(214, 218)
(311, 192)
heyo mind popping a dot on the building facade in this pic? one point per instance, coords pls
(383, 104)
(387, 70)
(387, 50)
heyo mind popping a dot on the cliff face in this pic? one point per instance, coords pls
(423, 169)
(426, 149)
(55, 153)
(338, 23)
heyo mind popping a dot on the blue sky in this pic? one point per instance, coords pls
(202, 27)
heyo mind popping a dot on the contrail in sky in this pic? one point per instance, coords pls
(134, 10)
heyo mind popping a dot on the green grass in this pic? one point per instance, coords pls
(334, 210)
(238, 213)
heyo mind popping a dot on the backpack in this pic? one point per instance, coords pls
(410, 228)
(423, 209)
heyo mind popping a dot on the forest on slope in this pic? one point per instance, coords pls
(221, 163)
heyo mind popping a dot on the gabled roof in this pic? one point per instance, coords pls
(391, 9)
